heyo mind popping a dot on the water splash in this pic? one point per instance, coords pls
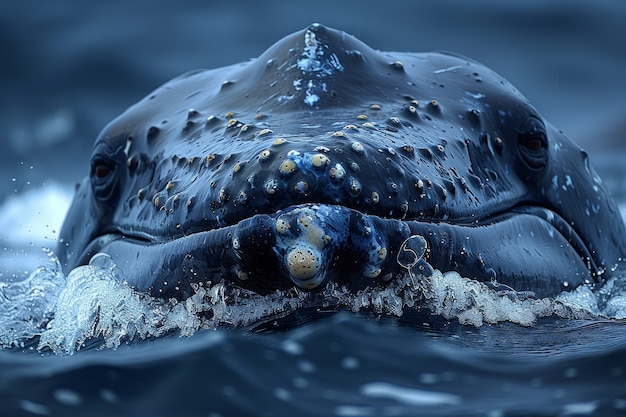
(27, 306)
(98, 303)
(94, 304)
(475, 303)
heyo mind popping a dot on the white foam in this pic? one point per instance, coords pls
(474, 303)
(95, 302)
(28, 305)
(581, 298)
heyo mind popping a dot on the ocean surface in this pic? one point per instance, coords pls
(86, 344)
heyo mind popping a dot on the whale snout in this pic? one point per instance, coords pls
(310, 245)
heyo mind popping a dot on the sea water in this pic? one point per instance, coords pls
(85, 343)
(441, 345)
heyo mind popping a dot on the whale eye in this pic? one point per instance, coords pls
(103, 177)
(101, 171)
(533, 143)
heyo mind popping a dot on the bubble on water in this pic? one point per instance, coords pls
(411, 251)
(104, 261)
(616, 307)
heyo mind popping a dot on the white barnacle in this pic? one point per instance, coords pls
(303, 263)
(170, 186)
(354, 186)
(282, 226)
(263, 155)
(357, 147)
(223, 196)
(237, 167)
(337, 172)
(319, 160)
(271, 186)
(287, 167)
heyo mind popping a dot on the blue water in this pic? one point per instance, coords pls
(344, 366)
(87, 345)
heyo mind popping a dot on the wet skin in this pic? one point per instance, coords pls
(325, 160)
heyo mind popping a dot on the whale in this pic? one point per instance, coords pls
(326, 162)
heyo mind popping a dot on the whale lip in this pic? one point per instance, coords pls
(388, 234)
(565, 230)
(101, 241)
(549, 216)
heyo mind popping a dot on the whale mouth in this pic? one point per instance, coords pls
(526, 248)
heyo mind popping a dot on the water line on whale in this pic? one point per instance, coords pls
(96, 307)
